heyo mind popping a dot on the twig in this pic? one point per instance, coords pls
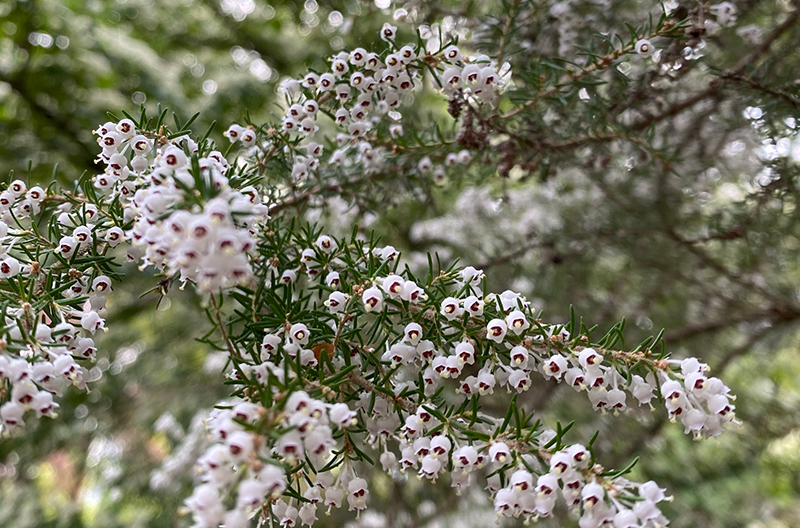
(512, 13)
(231, 349)
(368, 386)
(602, 64)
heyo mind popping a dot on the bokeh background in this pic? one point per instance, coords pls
(698, 236)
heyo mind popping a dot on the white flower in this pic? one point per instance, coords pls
(451, 308)
(499, 452)
(101, 284)
(519, 380)
(248, 137)
(451, 78)
(579, 454)
(465, 352)
(496, 330)
(289, 276)
(269, 346)
(358, 56)
(67, 246)
(125, 128)
(341, 415)
(9, 267)
(486, 382)
(426, 350)
(11, 414)
(393, 285)
(141, 145)
(473, 305)
(546, 485)
(399, 353)
(357, 500)
(388, 461)
(310, 80)
(412, 293)
(92, 322)
(555, 366)
(425, 165)
(517, 322)
(465, 457)
(334, 497)
(413, 333)
(299, 334)
(430, 467)
(642, 390)
(644, 47)
(452, 53)
(505, 502)
(388, 32)
(519, 356)
(336, 302)
(561, 463)
(589, 357)
(325, 243)
(616, 400)
(373, 299)
(591, 494)
(307, 514)
(332, 279)
(240, 445)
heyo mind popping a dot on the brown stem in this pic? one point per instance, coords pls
(368, 386)
(218, 318)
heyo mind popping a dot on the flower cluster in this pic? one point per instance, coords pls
(361, 87)
(19, 202)
(702, 403)
(514, 349)
(205, 242)
(457, 337)
(596, 500)
(236, 460)
(43, 347)
(232, 461)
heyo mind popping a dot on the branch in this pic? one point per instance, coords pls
(512, 13)
(368, 386)
(733, 73)
(602, 64)
(772, 315)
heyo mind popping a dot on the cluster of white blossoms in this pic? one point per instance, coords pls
(507, 345)
(236, 461)
(41, 352)
(206, 242)
(19, 202)
(232, 462)
(244, 472)
(514, 349)
(597, 501)
(362, 87)
(702, 403)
